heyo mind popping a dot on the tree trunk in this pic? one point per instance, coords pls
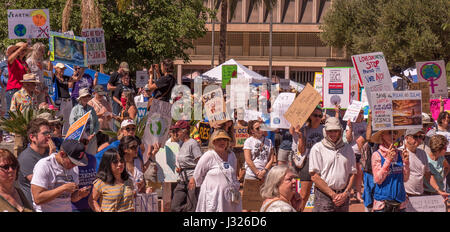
(66, 15)
(223, 31)
(212, 43)
(270, 44)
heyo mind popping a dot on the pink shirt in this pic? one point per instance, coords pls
(380, 173)
(16, 71)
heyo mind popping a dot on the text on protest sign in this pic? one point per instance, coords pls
(228, 72)
(336, 87)
(141, 79)
(240, 135)
(426, 204)
(353, 111)
(434, 73)
(28, 23)
(96, 49)
(435, 107)
(214, 104)
(279, 108)
(77, 128)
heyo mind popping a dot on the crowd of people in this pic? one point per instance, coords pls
(339, 160)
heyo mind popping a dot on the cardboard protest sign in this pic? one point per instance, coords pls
(96, 49)
(434, 73)
(353, 111)
(239, 93)
(279, 108)
(77, 128)
(28, 23)
(303, 105)
(433, 203)
(310, 202)
(141, 79)
(240, 135)
(166, 160)
(228, 72)
(214, 104)
(425, 89)
(204, 131)
(68, 49)
(354, 85)
(396, 110)
(146, 202)
(158, 122)
(435, 107)
(318, 81)
(336, 87)
(373, 72)
(251, 197)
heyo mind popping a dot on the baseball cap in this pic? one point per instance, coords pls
(60, 65)
(124, 66)
(127, 122)
(75, 151)
(413, 131)
(181, 125)
(332, 123)
(99, 89)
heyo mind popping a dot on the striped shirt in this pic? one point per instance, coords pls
(113, 198)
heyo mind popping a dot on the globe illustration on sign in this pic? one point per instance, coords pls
(158, 125)
(431, 72)
(20, 30)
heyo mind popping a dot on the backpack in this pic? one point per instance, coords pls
(366, 157)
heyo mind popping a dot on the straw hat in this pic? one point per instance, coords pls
(83, 93)
(12, 48)
(30, 78)
(221, 134)
(376, 137)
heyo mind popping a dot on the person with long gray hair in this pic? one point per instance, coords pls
(279, 190)
(35, 61)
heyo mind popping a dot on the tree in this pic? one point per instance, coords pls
(406, 31)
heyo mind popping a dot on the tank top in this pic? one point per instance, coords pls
(392, 187)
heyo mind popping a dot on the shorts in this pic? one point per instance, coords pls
(283, 155)
(303, 173)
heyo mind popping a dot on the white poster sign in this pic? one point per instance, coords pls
(336, 87)
(239, 93)
(96, 49)
(141, 79)
(158, 122)
(166, 160)
(354, 88)
(373, 72)
(434, 73)
(279, 108)
(353, 111)
(28, 23)
(318, 82)
(213, 103)
(434, 203)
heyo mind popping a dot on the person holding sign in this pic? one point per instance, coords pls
(215, 174)
(332, 168)
(390, 169)
(438, 166)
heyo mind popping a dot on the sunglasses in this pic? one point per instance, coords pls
(6, 167)
(130, 129)
(317, 115)
(419, 137)
(116, 161)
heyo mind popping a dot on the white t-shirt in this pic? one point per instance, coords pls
(260, 154)
(49, 174)
(334, 167)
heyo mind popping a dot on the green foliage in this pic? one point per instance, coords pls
(406, 31)
(18, 121)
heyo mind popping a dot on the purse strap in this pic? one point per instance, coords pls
(270, 203)
(221, 169)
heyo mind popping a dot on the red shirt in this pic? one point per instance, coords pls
(16, 71)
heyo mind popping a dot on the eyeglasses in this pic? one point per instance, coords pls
(116, 161)
(46, 133)
(419, 137)
(130, 129)
(8, 166)
(317, 115)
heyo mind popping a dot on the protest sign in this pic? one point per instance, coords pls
(396, 110)
(239, 93)
(68, 49)
(353, 111)
(228, 72)
(279, 108)
(285, 84)
(142, 110)
(434, 73)
(252, 115)
(251, 197)
(336, 87)
(365, 102)
(318, 81)
(158, 122)
(373, 72)
(141, 79)
(166, 162)
(425, 89)
(433, 203)
(435, 107)
(204, 131)
(28, 23)
(77, 128)
(303, 105)
(146, 202)
(214, 104)
(310, 202)
(240, 135)
(48, 81)
(354, 85)
(96, 49)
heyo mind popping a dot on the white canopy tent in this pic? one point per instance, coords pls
(215, 74)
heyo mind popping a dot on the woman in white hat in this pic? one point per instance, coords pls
(92, 126)
(215, 174)
(17, 67)
(390, 169)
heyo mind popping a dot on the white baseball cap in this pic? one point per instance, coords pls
(127, 122)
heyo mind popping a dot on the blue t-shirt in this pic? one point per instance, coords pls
(86, 176)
